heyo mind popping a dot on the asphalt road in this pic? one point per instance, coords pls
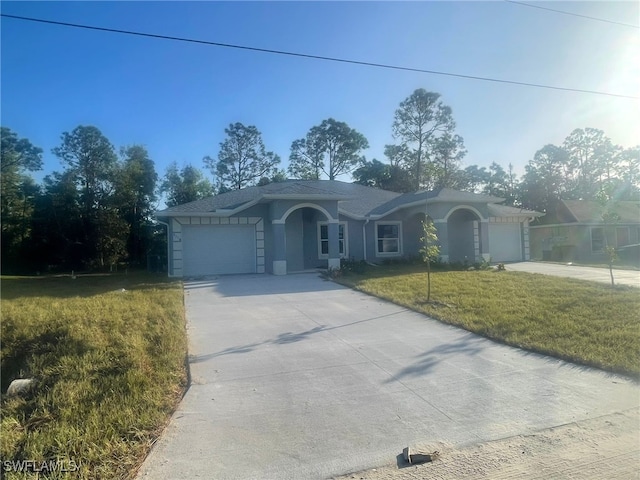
(295, 377)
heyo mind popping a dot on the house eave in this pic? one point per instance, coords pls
(586, 224)
(217, 213)
(307, 198)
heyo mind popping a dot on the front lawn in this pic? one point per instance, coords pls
(108, 352)
(584, 322)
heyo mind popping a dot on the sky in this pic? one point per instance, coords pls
(177, 98)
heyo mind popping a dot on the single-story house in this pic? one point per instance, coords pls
(574, 231)
(298, 225)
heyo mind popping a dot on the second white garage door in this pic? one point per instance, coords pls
(218, 249)
(504, 242)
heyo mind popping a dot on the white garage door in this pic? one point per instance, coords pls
(504, 242)
(218, 249)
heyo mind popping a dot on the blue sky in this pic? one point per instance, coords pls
(177, 98)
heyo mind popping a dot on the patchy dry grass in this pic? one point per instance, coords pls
(584, 322)
(110, 366)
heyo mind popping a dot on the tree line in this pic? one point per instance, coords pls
(98, 210)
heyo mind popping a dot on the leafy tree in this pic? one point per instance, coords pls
(17, 193)
(586, 149)
(278, 176)
(398, 155)
(448, 152)
(497, 179)
(306, 161)
(544, 181)
(58, 237)
(18, 153)
(430, 249)
(184, 186)
(382, 175)
(135, 188)
(418, 123)
(242, 159)
(501, 183)
(19, 196)
(473, 178)
(93, 166)
(92, 160)
(627, 170)
(331, 147)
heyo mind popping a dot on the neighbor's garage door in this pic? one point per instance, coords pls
(218, 249)
(504, 242)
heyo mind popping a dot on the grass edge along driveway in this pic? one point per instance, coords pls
(575, 320)
(109, 354)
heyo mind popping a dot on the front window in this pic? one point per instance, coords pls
(597, 239)
(388, 238)
(622, 236)
(323, 239)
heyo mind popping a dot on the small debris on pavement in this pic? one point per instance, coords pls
(418, 458)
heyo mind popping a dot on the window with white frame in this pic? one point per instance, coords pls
(388, 238)
(323, 239)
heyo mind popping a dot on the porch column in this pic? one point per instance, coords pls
(524, 226)
(334, 244)
(484, 240)
(279, 248)
(443, 238)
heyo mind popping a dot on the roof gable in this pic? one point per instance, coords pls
(591, 211)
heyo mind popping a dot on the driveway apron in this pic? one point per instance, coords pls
(295, 377)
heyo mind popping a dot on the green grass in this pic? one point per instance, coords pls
(110, 365)
(580, 321)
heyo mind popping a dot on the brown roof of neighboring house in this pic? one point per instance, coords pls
(591, 211)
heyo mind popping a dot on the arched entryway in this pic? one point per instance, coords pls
(305, 238)
(304, 228)
(463, 227)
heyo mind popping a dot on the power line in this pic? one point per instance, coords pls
(573, 14)
(315, 57)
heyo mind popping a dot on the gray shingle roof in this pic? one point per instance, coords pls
(354, 200)
(496, 210)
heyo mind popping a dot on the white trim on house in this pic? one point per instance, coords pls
(286, 214)
(344, 240)
(583, 224)
(464, 207)
(176, 267)
(398, 224)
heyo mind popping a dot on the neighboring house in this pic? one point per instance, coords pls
(298, 225)
(574, 231)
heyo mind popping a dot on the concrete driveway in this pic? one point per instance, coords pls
(295, 377)
(594, 274)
